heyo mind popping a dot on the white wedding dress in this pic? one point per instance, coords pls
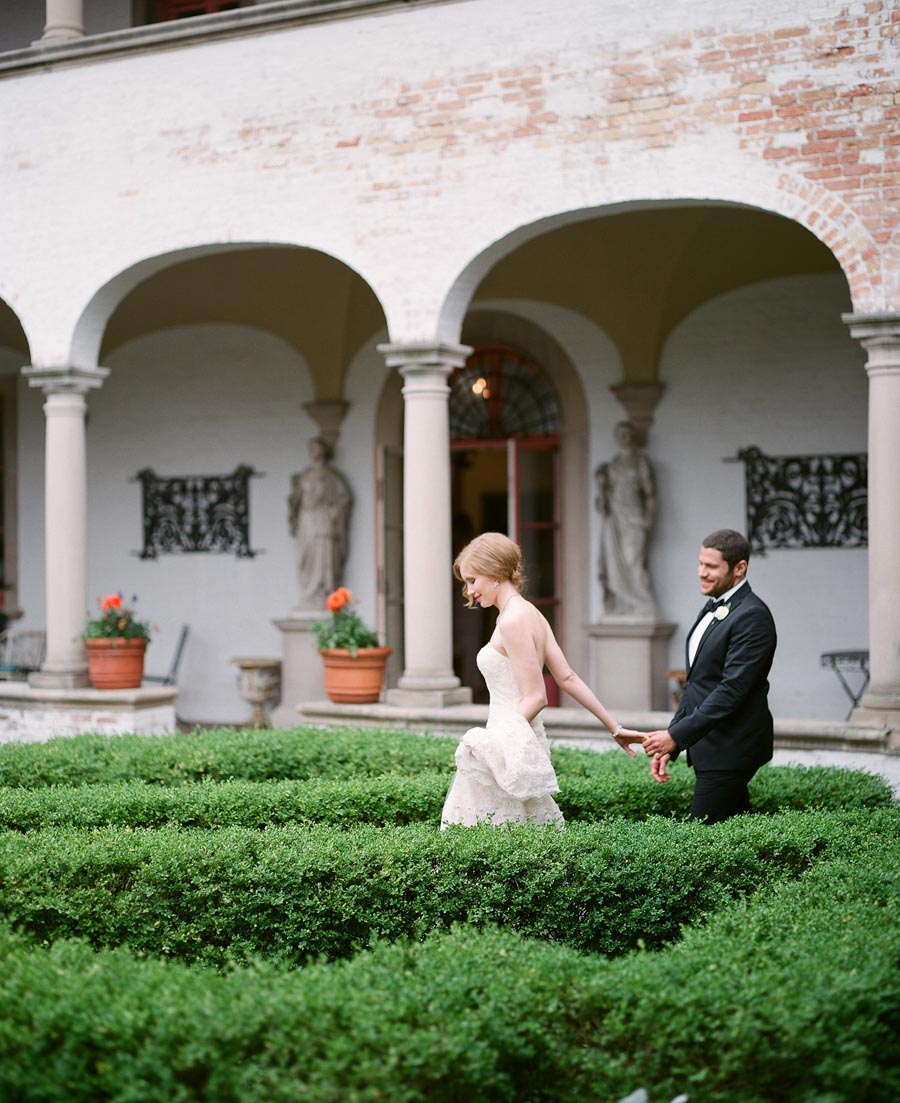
(503, 771)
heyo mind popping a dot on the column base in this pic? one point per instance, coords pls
(428, 698)
(884, 709)
(630, 662)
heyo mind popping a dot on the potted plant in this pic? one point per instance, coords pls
(354, 662)
(115, 642)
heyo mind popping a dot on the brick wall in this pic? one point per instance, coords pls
(412, 144)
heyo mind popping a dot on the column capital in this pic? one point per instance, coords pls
(639, 401)
(425, 356)
(328, 414)
(879, 335)
(64, 380)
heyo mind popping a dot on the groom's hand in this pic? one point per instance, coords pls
(659, 768)
(659, 742)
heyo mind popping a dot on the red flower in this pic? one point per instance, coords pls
(338, 599)
(111, 601)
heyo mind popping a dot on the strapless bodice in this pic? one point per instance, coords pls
(503, 688)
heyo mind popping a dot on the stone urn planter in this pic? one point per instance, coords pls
(116, 663)
(354, 679)
(259, 682)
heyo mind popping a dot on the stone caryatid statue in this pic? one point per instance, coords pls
(318, 517)
(626, 497)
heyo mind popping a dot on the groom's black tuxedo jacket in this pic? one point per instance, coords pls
(723, 718)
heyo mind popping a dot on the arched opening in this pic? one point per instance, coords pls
(685, 307)
(219, 362)
(14, 355)
(504, 441)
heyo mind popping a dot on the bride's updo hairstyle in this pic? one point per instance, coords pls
(494, 555)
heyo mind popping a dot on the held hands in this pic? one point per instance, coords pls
(658, 742)
(625, 736)
(660, 745)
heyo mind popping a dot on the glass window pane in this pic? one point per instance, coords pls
(538, 547)
(536, 484)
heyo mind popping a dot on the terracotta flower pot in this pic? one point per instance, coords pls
(116, 663)
(355, 680)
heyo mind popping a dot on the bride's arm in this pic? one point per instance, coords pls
(567, 680)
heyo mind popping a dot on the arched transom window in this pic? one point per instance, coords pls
(499, 394)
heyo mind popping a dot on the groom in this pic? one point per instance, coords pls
(723, 720)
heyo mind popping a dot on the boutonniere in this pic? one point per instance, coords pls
(722, 612)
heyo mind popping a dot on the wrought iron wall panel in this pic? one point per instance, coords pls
(806, 501)
(196, 513)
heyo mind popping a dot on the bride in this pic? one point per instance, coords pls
(503, 771)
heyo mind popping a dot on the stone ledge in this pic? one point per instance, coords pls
(32, 715)
(186, 32)
(87, 695)
(567, 724)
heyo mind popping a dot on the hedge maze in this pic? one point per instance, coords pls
(275, 916)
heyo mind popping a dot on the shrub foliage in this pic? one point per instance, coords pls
(275, 916)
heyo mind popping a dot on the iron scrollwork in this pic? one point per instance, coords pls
(196, 513)
(806, 501)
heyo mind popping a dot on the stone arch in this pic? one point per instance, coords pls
(89, 328)
(812, 206)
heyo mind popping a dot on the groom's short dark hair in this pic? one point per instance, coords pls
(733, 545)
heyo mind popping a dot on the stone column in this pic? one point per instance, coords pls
(65, 521)
(65, 21)
(428, 679)
(879, 334)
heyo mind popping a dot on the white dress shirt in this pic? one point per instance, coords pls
(704, 622)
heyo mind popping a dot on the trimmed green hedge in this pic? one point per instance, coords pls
(792, 997)
(296, 892)
(389, 799)
(620, 789)
(342, 777)
(221, 754)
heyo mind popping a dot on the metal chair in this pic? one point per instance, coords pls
(853, 662)
(21, 652)
(171, 678)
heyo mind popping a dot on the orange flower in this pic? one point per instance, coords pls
(338, 599)
(111, 601)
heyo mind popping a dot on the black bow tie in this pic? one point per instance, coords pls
(711, 605)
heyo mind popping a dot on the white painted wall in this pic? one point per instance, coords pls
(770, 365)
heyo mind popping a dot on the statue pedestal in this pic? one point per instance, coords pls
(302, 674)
(630, 662)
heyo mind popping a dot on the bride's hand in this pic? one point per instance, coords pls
(626, 736)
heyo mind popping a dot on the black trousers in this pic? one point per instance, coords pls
(720, 794)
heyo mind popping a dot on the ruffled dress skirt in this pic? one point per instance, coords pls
(503, 771)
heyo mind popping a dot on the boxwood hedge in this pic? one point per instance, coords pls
(792, 996)
(311, 776)
(398, 799)
(252, 754)
(295, 892)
